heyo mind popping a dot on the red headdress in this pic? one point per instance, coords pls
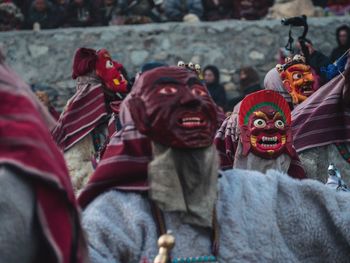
(84, 62)
(228, 137)
(264, 119)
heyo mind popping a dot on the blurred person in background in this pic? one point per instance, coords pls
(216, 90)
(11, 17)
(114, 12)
(315, 59)
(251, 9)
(24, 5)
(183, 10)
(60, 7)
(217, 9)
(343, 39)
(249, 82)
(80, 13)
(41, 12)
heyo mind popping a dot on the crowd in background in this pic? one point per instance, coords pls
(249, 80)
(46, 14)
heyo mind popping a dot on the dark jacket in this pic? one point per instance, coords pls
(175, 10)
(216, 90)
(60, 13)
(234, 101)
(81, 15)
(46, 18)
(317, 60)
(213, 12)
(341, 49)
(251, 9)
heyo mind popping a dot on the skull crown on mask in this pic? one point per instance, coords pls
(297, 78)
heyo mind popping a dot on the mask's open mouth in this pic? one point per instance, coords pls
(193, 120)
(268, 143)
(306, 89)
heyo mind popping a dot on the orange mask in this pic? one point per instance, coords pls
(298, 80)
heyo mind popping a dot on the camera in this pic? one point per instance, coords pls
(295, 21)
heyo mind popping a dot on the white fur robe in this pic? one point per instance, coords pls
(262, 218)
(78, 160)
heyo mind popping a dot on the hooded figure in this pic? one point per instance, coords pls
(249, 83)
(159, 173)
(91, 115)
(216, 90)
(343, 40)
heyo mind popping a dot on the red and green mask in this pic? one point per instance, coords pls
(109, 72)
(264, 121)
(297, 78)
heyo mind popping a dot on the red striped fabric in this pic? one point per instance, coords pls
(26, 144)
(124, 163)
(84, 112)
(324, 118)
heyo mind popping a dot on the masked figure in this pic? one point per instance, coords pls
(321, 129)
(257, 136)
(264, 120)
(297, 78)
(160, 173)
(91, 115)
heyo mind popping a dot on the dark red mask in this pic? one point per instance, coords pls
(109, 72)
(172, 107)
(264, 121)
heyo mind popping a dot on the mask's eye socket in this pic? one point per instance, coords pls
(297, 76)
(167, 90)
(109, 64)
(198, 90)
(279, 124)
(260, 123)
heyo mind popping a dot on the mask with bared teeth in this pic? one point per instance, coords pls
(264, 121)
(173, 107)
(297, 78)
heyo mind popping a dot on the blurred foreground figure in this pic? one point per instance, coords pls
(38, 212)
(161, 173)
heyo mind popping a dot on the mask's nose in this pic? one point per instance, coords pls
(189, 99)
(309, 78)
(270, 128)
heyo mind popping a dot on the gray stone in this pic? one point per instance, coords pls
(37, 51)
(46, 56)
(255, 55)
(138, 57)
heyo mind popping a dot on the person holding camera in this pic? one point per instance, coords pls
(315, 58)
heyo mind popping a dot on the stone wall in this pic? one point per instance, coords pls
(46, 56)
